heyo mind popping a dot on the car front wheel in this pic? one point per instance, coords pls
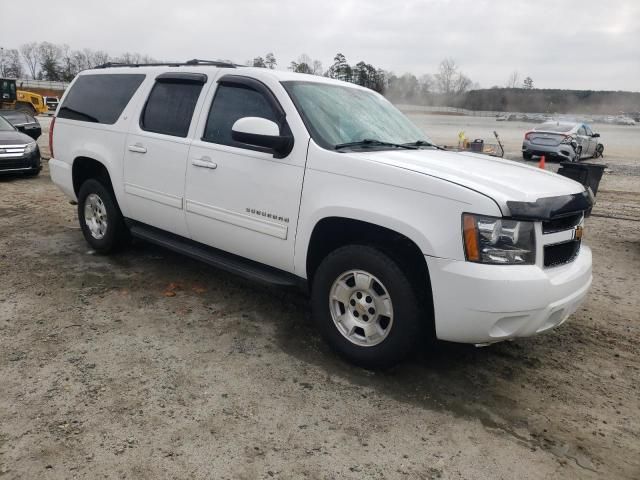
(365, 306)
(599, 151)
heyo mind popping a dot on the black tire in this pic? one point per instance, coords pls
(599, 151)
(526, 155)
(116, 234)
(34, 172)
(407, 327)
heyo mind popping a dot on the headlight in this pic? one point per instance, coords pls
(498, 240)
(568, 139)
(30, 148)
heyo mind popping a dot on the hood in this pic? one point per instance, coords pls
(502, 180)
(14, 138)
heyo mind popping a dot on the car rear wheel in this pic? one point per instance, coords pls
(365, 307)
(100, 218)
(526, 155)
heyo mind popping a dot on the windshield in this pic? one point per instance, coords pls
(336, 115)
(5, 126)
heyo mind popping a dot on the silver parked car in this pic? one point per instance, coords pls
(562, 140)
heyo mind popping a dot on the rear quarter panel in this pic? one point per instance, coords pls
(73, 139)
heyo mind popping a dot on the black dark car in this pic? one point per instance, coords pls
(19, 153)
(24, 122)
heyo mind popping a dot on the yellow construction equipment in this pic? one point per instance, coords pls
(13, 99)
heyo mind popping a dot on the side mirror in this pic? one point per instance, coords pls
(595, 135)
(261, 132)
(34, 132)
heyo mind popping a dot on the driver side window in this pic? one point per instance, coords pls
(230, 103)
(582, 131)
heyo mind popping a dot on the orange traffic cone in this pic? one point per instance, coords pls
(541, 164)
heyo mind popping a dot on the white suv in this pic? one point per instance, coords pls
(297, 179)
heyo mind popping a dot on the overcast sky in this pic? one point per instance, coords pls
(586, 44)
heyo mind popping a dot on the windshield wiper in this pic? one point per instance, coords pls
(77, 112)
(423, 143)
(369, 142)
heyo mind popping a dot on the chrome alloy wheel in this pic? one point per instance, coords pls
(361, 308)
(95, 216)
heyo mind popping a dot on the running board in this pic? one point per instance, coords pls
(214, 257)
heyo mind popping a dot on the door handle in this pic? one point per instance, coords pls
(138, 148)
(204, 162)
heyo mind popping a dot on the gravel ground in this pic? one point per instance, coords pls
(149, 365)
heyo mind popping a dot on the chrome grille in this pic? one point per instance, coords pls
(7, 151)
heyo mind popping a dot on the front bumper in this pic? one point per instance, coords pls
(21, 163)
(475, 303)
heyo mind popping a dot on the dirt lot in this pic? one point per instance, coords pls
(150, 365)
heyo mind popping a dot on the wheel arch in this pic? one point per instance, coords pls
(333, 232)
(86, 167)
(355, 220)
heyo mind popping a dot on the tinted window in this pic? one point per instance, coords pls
(230, 104)
(99, 98)
(170, 107)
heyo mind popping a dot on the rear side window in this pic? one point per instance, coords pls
(230, 104)
(170, 107)
(99, 98)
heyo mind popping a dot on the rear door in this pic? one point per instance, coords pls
(156, 152)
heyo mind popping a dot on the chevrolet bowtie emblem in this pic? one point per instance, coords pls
(577, 234)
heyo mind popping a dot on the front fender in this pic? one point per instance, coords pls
(431, 220)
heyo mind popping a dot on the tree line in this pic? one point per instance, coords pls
(50, 61)
(449, 81)
(59, 62)
(550, 101)
(447, 86)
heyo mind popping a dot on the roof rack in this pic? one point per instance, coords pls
(193, 62)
